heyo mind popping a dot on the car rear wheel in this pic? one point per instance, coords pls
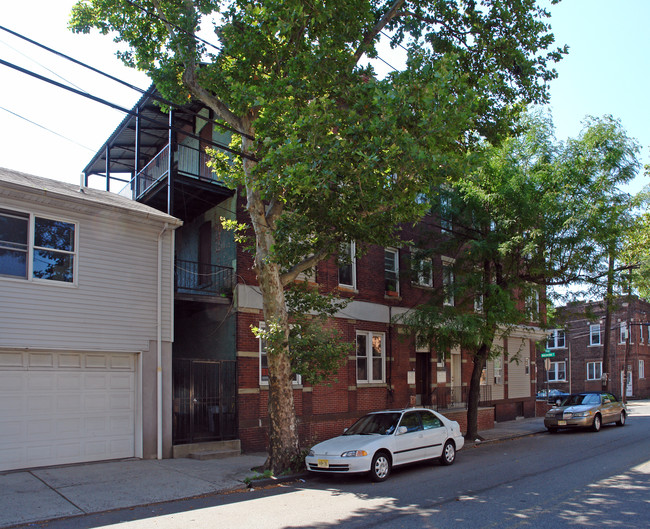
(448, 453)
(380, 468)
(621, 421)
(597, 423)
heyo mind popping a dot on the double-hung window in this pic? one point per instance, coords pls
(556, 339)
(347, 265)
(557, 372)
(594, 334)
(594, 370)
(391, 270)
(448, 281)
(423, 269)
(371, 357)
(498, 370)
(34, 247)
(641, 369)
(264, 362)
(623, 332)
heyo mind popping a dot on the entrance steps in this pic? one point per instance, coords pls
(210, 450)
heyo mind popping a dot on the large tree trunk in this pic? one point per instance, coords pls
(474, 396)
(283, 432)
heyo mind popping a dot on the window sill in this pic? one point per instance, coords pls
(347, 290)
(371, 384)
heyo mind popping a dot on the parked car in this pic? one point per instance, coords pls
(586, 410)
(384, 439)
(555, 396)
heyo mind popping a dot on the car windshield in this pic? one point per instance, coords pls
(581, 400)
(375, 423)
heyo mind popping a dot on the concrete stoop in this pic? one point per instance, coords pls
(211, 450)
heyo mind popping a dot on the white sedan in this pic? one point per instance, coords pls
(384, 439)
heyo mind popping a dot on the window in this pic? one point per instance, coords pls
(347, 265)
(391, 270)
(478, 303)
(37, 247)
(594, 334)
(532, 303)
(423, 267)
(445, 213)
(371, 357)
(623, 332)
(411, 421)
(641, 368)
(594, 370)
(429, 420)
(557, 372)
(498, 370)
(556, 339)
(448, 282)
(264, 362)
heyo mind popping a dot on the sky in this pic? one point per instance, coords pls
(49, 132)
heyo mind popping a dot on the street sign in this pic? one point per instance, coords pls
(547, 354)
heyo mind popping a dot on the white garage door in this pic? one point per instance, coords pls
(60, 407)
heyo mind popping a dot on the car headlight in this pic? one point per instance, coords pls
(354, 453)
(311, 453)
(583, 414)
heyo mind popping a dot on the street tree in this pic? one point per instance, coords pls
(533, 214)
(330, 151)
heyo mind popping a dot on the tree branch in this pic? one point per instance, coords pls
(369, 37)
(306, 264)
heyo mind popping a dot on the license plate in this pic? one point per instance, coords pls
(561, 423)
(323, 463)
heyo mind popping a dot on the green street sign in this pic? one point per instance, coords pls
(547, 354)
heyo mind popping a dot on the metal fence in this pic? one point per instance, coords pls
(444, 398)
(192, 277)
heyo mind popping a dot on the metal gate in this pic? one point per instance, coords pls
(204, 403)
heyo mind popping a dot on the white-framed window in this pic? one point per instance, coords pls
(622, 335)
(391, 270)
(532, 303)
(594, 370)
(38, 248)
(348, 265)
(594, 334)
(264, 362)
(423, 268)
(557, 372)
(371, 357)
(498, 370)
(478, 303)
(556, 339)
(448, 281)
(641, 368)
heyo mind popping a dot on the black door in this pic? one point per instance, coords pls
(423, 379)
(204, 405)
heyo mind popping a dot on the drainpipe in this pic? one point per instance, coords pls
(159, 380)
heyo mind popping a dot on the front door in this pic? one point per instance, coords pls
(423, 379)
(628, 388)
(204, 405)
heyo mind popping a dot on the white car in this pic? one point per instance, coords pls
(384, 439)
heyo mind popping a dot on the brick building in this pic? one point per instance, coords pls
(578, 347)
(220, 386)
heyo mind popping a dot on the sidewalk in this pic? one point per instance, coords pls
(58, 492)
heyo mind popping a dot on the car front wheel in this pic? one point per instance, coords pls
(597, 423)
(621, 421)
(380, 469)
(448, 453)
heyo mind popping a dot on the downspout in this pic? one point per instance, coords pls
(159, 379)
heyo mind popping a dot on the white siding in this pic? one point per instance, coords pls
(113, 305)
(518, 380)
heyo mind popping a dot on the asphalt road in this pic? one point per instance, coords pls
(572, 479)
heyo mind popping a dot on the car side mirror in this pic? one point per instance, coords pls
(401, 430)
(345, 430)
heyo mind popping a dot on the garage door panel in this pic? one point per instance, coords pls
(65, 408)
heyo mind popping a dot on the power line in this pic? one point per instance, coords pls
(48, 130)
(115, 79)
(115, 106)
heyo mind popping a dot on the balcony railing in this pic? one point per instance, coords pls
(444, 398)
(202, 278)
